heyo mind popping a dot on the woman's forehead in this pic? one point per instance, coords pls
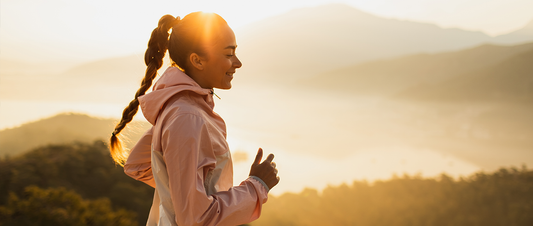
(223, 38)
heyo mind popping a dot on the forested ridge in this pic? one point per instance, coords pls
(504, 197)
(78, 184)
(82, 169)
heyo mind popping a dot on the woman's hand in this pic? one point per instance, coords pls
(266, 170)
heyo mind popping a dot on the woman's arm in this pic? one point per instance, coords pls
(188, 152)
(139, 164)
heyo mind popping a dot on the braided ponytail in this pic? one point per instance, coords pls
(153, 58)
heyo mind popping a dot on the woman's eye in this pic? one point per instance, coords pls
(231, 55)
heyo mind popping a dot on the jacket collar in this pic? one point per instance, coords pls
(172, 82)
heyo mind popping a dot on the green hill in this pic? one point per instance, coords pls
(80, 168)
(64, 128)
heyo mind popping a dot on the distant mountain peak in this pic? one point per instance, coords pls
(525, 30)
(330, 7)
(331, 10)
(529, 25)
(528, 29)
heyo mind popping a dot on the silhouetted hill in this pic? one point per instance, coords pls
(19, 79)
(110, 80)
(510, 81)
(63, 128)
(125, 69)
(524, 34)
(427, 71)
(10, 67)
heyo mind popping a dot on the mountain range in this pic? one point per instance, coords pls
(508, 81)
(309, 41)
(519, 36)
(479, 71)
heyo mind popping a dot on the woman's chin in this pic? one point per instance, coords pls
(225, 86)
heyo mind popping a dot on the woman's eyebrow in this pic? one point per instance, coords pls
(231, 47)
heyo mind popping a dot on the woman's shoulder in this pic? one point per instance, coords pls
(186, 103)
(190, 108)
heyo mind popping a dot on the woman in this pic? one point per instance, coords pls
(185, 156)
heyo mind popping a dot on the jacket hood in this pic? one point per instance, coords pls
(172, 82)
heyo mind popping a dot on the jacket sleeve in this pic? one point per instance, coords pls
(139, 164)
(188, 152)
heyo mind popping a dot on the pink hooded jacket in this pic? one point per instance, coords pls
(186, 158)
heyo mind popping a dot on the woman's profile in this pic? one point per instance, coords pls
(185, 156)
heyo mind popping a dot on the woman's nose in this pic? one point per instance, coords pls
(237, 63)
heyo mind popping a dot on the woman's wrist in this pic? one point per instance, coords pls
(261, 181)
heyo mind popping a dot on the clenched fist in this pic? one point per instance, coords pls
(265, 170)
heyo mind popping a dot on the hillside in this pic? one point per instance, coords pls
(522, 35)
(110, 80)
(83, 169)
(491, 199)
(106, 80)
(510, 81)
(387, 77)
(63, 128)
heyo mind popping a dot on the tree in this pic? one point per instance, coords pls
(59, 206)
(84, 168)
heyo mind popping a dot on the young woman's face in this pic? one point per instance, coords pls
(220, 60)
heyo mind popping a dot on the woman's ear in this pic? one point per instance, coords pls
(196, 61)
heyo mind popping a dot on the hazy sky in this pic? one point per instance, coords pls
(91, 29)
